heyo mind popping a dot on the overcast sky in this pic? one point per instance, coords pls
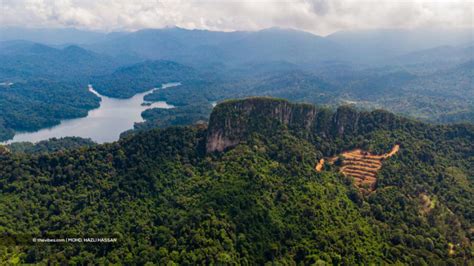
(317, 16)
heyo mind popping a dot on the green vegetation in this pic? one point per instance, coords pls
(41, 85)
(189, 93)
(168, 201)
(51, 145)
(130, 80)
(444, 96)
(179, 116)
(441, 96)
(22, 60)
(421, 85)
(29, 106)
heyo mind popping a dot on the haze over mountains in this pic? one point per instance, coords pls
(272, 44)
(422, 73)
(220, 180)
(239, 132)
(26, 59)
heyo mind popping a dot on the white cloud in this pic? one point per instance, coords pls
(317, 16)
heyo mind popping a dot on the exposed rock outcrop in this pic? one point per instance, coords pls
(232, 121)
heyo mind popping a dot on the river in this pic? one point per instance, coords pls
(103, 124)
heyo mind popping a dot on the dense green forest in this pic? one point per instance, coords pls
(51, 145)
(179, 116)
(29, 106)
(23, 60)
(130, 80)
(439, 97)
(442, 97)
(168, 198)
(41, 85)
(433, 85)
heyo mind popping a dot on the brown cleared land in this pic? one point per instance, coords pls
(361, 165)
(394, 150)
(319, 166)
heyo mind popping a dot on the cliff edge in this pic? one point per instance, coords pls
(232, 121)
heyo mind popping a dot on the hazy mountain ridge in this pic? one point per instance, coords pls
(175, 43)
(36, 60)
(379, 45)
(50, 36)
(239, 132)
(434, 84)
(277, 44)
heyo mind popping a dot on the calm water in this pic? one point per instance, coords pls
(103, 124)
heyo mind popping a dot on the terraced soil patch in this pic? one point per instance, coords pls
(361, 165)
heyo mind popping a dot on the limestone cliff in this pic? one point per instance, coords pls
(232, 121)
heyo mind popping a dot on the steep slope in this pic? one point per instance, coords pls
(267, 114)
(169, 196)
(426, 163)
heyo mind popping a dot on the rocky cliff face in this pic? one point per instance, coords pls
(231, 122)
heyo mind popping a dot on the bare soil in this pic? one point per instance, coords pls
(361, 165)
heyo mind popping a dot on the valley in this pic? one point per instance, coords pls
(268, 146)
(104, 124)
(438, 92)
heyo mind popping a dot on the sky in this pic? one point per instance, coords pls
(320, 17)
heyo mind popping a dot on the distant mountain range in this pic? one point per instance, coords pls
(24, 59)
(273, 44)
(51, 36)
(191, 46)
(253, 181)
(376, 45)
(425, 74)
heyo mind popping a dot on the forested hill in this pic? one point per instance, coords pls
(169, 197)
(130, 80)
(235, 120)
